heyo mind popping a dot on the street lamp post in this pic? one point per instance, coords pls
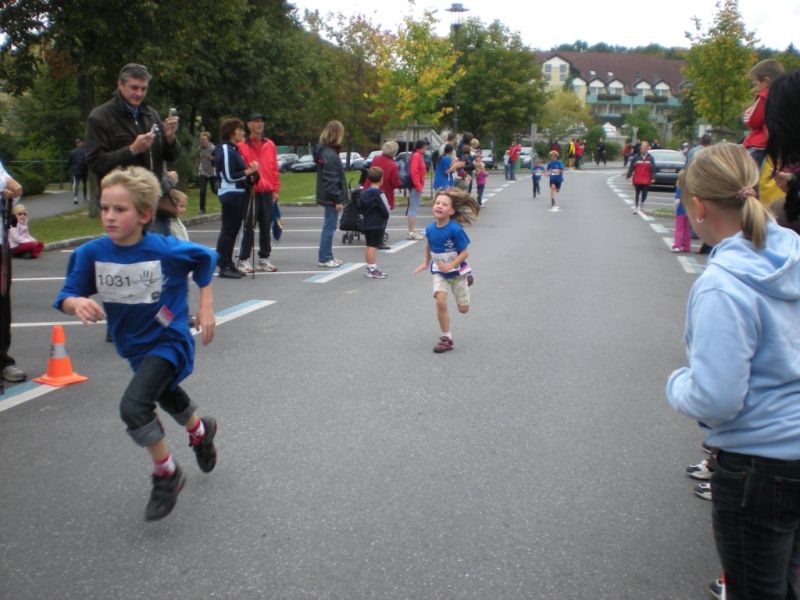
(458, 11)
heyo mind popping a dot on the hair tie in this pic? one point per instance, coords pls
(743, 193)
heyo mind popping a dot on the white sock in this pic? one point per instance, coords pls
(447, 335)
(372, 266)
(164, 468)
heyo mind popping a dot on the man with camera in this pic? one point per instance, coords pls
(126, 131)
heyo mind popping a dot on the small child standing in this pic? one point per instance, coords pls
(446, 255)
(176, 227)
(20, 240)
(683, 231)
(536, 171)
(374, 206)
(141, 279)
(555, 170)
(481, 175)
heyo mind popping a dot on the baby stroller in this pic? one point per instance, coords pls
(350, 221)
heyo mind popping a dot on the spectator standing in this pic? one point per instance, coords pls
(126, 131)
(600, 152)
(513, 156)
(506, 165)
(78, 169)
(571, 153)
(744, 390)
(627, 149)
(391, 171)
(782, 119)
(332, 192)
(447, 165)
(233, 186)
(257, 148)
(705, 142)
(580, 148)
(374, 207)
(481, 175)
(642, 169)
(761, 76)
(419, 173)
(9, 189)
(204, 163)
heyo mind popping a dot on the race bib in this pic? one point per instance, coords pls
(444, 257)
(137, 283)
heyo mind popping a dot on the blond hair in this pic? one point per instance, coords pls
(465, 206)
(332, 134)
(390, 148)
(18, 208)
(141, 184)
(726, 176)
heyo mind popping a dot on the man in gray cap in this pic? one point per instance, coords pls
(257, 147)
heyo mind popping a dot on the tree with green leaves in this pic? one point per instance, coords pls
(642, 119)
(415, 71)
(684, 119)
(501, 92)
(717, 65)
(564, 113)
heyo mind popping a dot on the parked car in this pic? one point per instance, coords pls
(369, 159)
(488, 158)
(285, 161)
(304, 165)
(668, 164)
(526, 156)
(353, 157)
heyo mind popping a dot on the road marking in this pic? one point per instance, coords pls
(29, 390)
(659, 228)
(334, 273)
(691, 265)
(399, 246)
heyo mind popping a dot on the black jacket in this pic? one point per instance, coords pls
(331, 185)
(111, 129)
(374, 208)
(76, 165)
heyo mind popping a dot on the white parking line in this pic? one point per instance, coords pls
(333, 274)
(29, 390)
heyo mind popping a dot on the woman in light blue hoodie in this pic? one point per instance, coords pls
(743, 379)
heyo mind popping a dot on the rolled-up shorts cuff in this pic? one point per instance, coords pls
(183, 417)
(149, 434)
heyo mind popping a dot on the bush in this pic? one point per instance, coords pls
(31, 181)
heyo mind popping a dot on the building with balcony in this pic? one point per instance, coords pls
(613, 84)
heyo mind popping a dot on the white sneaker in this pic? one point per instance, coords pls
(331, 264)
(415, 235)
(700, 470)
(635, 210)
(265, 266)
(244, 266)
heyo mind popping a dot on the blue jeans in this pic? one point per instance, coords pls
(414, 198)
(756, 515)
(326, 237)
(150, 385)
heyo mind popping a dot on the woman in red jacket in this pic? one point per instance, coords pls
(391, 172)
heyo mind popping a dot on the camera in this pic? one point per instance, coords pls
(154, 129)
(173, 112)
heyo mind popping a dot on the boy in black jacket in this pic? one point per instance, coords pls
(374, 207)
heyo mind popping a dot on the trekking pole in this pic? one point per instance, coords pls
(251, 225)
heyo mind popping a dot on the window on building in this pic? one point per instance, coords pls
(562, 72)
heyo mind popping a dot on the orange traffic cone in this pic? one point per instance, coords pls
(59, 366)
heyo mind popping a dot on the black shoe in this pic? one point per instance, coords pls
(229, 273)
(205, 451)
(384, 247)
(164, 495)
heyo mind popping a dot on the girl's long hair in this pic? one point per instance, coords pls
(782, 120)
(465, 206)
(726, 175)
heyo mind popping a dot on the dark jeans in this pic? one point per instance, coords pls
(262, 204)
(480, 194)
(202, 180)
(756, 515)
(150, 385)
(5, 323)
(77, 180)
(234, 205)
(641, 190)
(512, 169)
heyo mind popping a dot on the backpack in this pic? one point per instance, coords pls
(434, 158)
(404, 172)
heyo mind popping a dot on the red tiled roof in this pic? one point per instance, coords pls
(628, 68)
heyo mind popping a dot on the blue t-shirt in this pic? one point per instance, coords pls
(556, 170)
(446, 243)
(679, 208)
(143, 289)
(537, 171)
(441, 179)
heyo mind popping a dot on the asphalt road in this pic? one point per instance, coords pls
(537, 460)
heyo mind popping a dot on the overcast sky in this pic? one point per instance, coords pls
(629, 23)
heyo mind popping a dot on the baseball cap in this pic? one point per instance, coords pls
(256, 116)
